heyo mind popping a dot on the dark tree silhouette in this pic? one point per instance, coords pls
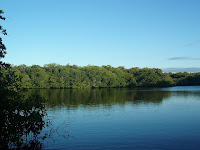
(21, 119)
(2, 46)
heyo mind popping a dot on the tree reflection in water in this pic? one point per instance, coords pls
(73, 98)
(21, 121)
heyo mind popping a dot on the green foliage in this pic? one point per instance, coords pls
(19, 116)
(187, 78)
(72, 76)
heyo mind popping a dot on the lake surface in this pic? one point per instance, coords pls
(140, 118)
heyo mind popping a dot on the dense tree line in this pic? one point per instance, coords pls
(72, 76)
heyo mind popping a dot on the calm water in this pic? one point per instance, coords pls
(142, 118)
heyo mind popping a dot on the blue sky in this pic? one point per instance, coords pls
(130, 33)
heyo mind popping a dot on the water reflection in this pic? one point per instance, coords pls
(143, 115)
(87, 97)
